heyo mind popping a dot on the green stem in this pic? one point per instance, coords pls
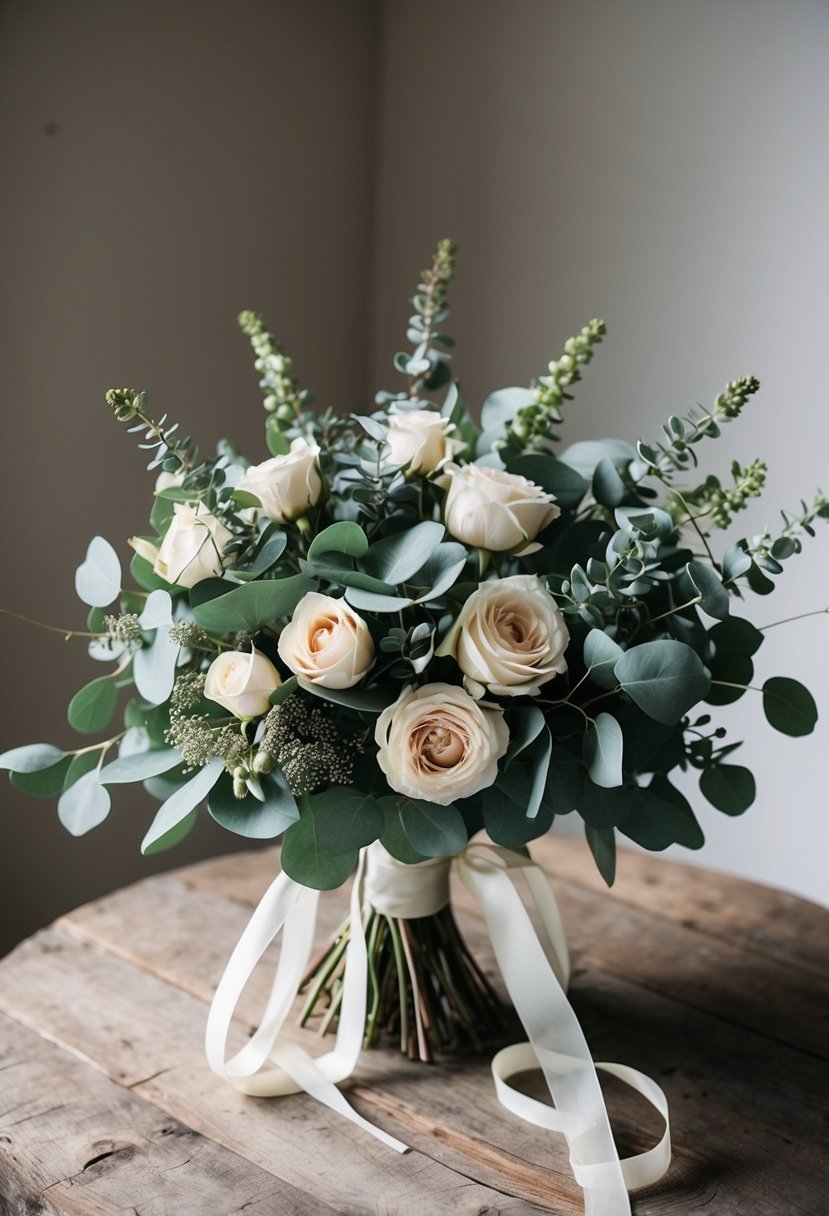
(67, 633)
(800, 616)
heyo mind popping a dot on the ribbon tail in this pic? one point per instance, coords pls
(290, 908)
(556, 1039)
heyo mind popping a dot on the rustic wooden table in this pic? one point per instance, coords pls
(714, 986)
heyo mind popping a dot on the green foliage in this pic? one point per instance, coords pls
(731, 788)
(176, 816)
(434, 831)
(84, 805)
(306, 860)
(788, 706)
(91, 708)
(253, 605)
(665, 678)
(255, 818)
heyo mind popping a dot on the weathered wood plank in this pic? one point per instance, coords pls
(775, 924)
(147, 1034)
(701, 1055)
(73, 1142)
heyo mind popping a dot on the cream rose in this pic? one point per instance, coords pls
(493, 509)
(422, 440)
(287, 486)
(326, 642)
(438, 744)
(191, 549)
(509, 638)
(242, 683)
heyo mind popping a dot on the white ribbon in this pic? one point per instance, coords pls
(269, 1065)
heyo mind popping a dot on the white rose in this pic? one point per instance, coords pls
(166, 480)
(326, 642)
(422, 439)
(438, 744)
(191, 549)
(287, 486)
(510, 637)
(242, 683)
(493, 509)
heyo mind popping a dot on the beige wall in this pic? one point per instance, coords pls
(662, 164)
(163, 166)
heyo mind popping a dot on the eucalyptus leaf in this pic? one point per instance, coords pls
(601, 654)
(269, 549)
(92, 707)
(608, 488)
(140, 766)
(434, 831)
(736, 635)
(396, 558)
(370, 601)
(603, 746)
(665, 678)
(393, 838)
(285, 690)
(31, 757)
(46, 782)
(500, 407)
(525, 724)
(585, 455)
(346, 819)
(731, 788)
(662, 816)
(506, 820)
(442, 570)
(714, 597)
(370, 701)
(254, 818)
(342, 537)
(98, 578)
(789, 706)
(168, 826)
(84, 805)
(602, 842)
(307, 862)
(154, 666)
(158, 610)
(559, 479)
(253, 605)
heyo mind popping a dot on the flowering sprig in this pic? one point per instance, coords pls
(533, 427)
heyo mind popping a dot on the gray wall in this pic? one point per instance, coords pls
(661, 164)
(164, 165)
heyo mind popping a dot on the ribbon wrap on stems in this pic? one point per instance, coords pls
(269, 1065)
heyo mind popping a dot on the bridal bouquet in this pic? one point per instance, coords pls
(408, 627)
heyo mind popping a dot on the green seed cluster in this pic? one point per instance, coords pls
(533, 425)
(282, 396)
(191, 635)
(720, 502)
(124, 628)
(301, 737)
(194, 734)
(734, 396)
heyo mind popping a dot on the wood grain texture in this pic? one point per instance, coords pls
(715, 986)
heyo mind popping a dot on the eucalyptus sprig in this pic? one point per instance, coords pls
(172, 451)
(676, 452)
(427, 367)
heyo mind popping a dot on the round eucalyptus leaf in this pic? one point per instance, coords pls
(84, 805)
(731, 788)
(788, 706)
(665, 678)
(98, 578)
(92, 706)
(434, 831)
(31, 757)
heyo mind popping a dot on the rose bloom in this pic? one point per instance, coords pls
(326, 642)
(287, 486)
(422, 440)
(242, 683)
(438, 744)
(509, 638)
(191, 549)
(493, 509)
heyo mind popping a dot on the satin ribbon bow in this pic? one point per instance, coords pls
(269, 1065)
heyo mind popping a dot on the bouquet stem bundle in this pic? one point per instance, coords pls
(425, 988)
